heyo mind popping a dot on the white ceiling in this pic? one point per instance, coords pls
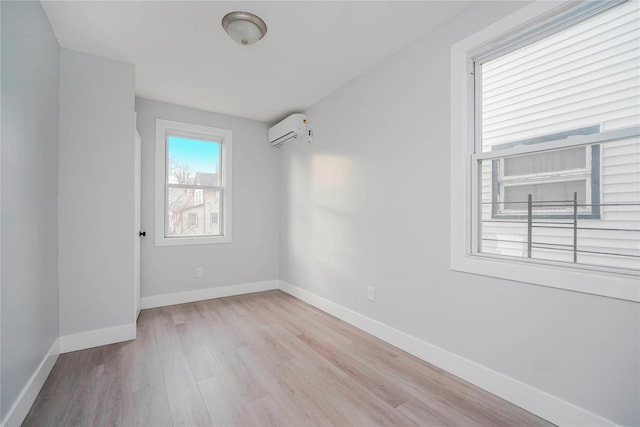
(183, 56)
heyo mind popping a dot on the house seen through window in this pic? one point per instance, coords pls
(193, 185)
(548, 176)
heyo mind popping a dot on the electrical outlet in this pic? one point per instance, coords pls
(371, 293)
(199, 272)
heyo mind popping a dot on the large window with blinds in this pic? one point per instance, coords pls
(556, 159)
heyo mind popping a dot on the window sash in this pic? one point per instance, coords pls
(546, 26)
(195, 136)
(545, 175)
(589, 175)
(168, 186)
(511, 167)
(555, 211)
(573, 141)
(592, 197)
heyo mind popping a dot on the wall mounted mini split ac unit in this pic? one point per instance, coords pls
(293, 127)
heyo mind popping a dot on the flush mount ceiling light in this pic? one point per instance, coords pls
(244, 27)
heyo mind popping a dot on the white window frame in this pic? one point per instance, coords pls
(224, 136)
(586, 175)
(463, 203)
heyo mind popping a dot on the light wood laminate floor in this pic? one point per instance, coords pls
(263, 359)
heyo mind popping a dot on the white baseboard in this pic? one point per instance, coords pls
(97, 337)
(541, 403)
(22, 404)
(208, 293)
(529, 398)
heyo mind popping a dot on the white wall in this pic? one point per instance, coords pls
(29, 195)
(253, 254)
(95, 204)
(367, 205)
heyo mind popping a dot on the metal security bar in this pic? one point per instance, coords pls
(569, 222)
(530, 224)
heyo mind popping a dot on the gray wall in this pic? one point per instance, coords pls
(29, 194)
(253, 254)
(367, 204)
(95, 204)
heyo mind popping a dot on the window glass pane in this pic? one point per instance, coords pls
(186, 215)
(588, 74)
(545, 162)
(193, 161)
(607, 235)
(545, 192)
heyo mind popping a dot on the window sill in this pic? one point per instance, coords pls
(555, 275)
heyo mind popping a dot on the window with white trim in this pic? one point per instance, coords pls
(193, 182)
(547, 176)
(193, 219)
(546, 129)
(199, 196)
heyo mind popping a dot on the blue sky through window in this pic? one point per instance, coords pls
(198, 155)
